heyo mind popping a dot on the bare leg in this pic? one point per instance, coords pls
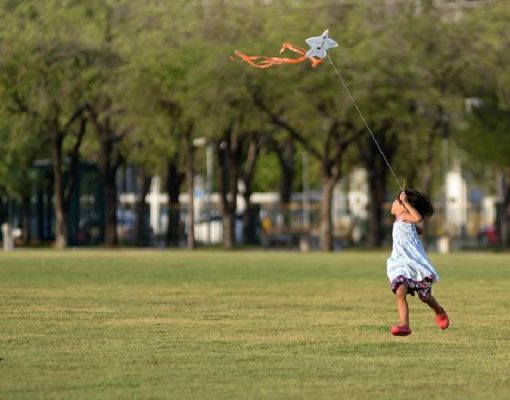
(403, 308)
(432, 303)
(442, 319)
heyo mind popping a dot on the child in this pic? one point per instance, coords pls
(409, 270)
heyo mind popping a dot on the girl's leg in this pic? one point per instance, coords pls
(442, 319)
(432, 303)
(403, 307)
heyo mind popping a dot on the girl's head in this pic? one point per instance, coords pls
(418, 200)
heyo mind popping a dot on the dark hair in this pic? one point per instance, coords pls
(420, 202)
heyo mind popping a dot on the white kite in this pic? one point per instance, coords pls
(319, 45)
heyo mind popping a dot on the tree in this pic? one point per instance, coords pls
(439, 59)
(165, 56)
(323, 119)
(114, 26)
(226, 114)
(253, 145)
(485, 137)
(284, 149)
(21, 142)
(50, 89)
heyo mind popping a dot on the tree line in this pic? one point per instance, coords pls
(135, 82)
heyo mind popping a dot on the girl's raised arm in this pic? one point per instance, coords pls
(412, 215)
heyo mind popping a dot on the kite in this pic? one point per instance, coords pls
(319, 45)
(318, 51)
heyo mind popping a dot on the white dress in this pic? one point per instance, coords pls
(408, 261)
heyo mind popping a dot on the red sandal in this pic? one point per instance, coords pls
(442, 320)
(400, 330)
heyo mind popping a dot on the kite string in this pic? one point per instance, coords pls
(364, 120)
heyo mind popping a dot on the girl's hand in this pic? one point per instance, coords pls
(409, 214)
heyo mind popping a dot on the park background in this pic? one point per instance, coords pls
(135, 115)
(128, 135)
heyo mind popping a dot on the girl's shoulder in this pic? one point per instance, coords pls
(402, 220)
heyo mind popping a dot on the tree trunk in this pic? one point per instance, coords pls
(40, 213)
(26, 216)
(190, 175)
(233, 190)
(143, 184)
(174, 181)
(376, 189)
(228, 226)
(377, 173)
(62, 195)
(109, 160)
(228, 229)
(110, 194)
(4, 215)
(58, 192)
(249, 217)
(285, 154)
(229, 173)
(326, 224)
(108, 171)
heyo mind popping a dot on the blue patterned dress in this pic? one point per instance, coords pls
(408, 262)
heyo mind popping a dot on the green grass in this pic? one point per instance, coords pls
(216, 325)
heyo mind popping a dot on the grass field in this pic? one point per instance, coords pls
(254, 325)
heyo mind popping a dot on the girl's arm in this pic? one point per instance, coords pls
(411, 215)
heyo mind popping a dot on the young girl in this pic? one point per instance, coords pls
(409, 270)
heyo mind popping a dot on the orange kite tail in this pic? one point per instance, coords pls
(267, 62)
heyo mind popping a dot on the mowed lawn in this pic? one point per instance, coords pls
(246, 325)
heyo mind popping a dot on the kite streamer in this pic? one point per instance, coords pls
(267, 62)
(316, 54)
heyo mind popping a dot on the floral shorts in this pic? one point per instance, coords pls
(424, 287)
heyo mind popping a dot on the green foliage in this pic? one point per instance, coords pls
(267, 176)
(18, 150)
(158, 67)
(486, 134)
(45, 74)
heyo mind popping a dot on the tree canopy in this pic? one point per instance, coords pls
(134, 82)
